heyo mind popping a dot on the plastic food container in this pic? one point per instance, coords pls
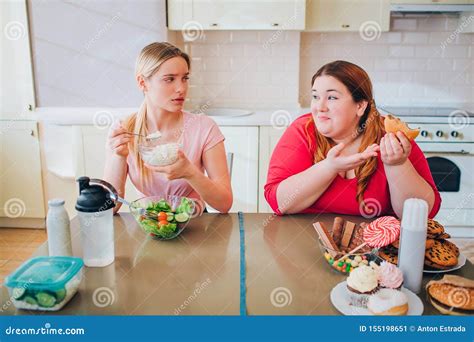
(159, 152)
(45, 283)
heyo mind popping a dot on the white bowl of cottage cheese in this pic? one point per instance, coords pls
(158, 152)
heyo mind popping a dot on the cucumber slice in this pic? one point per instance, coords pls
(30, 300)
(45, 299)
(182, 217)
(60, 295)
(18, 292)
(170, 217)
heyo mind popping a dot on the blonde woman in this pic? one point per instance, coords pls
(162, 73)
(339, 159)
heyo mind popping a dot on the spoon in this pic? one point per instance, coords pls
(152, 136)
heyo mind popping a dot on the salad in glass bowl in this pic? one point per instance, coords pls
(164, 218)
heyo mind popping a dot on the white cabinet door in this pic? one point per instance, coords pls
(92, 161)
(437, 2)
(236, 15)
(16, 81)
(269, 137)
(21, 188)
(369, 17)
(243, 143)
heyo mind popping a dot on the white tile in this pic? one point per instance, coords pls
(456, 51)
(465, 65)
(440, 64)
(280, 50)
(412, 65)
(456, 78)
(411, 90)
(256, 50)
(243, 64)
(415, 38)
(432, 23)
(230, 50)
(399, 76)
(387, 64)
(428, 51)
(391, 37)
(402, 24)
(462, 93)
(401, 51)
(430, 77)
(375, 51)
(217, 37)
(216, 64)
(244, 37)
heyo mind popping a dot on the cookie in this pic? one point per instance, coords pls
(388, 256)
(434, 228)
(451, 245)
(432, 266)
(441, 254)
(396, 244)
(429, 243)
(443, 236)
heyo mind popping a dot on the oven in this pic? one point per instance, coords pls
(447, 140)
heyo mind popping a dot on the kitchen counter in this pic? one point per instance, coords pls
(105, 116)
(198, 273)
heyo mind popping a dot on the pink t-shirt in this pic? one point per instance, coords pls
(200, 134)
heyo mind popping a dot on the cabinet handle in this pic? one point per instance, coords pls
(275, 24)
(30, 107)
(345, 26)
(32, 133)
(214, 24)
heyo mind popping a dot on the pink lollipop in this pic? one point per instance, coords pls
(379, 233)
(382, 232)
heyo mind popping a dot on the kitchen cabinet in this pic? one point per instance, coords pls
(242, 142)
(17, 95)
(269, 137)
(91, 159)
(21, 188)
(196, 15)
(367, 16)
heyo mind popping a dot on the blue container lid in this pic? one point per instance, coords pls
(45, 273)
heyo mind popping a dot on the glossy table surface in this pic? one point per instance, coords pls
(199, 272)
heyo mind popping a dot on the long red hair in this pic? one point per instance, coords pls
(371, 127)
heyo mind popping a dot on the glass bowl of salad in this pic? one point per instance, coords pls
(163, 218)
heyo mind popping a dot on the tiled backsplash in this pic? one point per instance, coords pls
(415, 63)
(421, 61)
(245, 69)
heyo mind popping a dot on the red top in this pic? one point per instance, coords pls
(293, 155)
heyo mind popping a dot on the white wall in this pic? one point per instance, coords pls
(84, 51)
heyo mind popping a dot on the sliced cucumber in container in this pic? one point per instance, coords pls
(45, 299)
(60, 295)
(181, 218)
(30, 300)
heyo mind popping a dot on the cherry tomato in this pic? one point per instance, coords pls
(163, 222)
(162, 216)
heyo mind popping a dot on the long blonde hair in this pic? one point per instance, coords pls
(370, 124)
(148, 62)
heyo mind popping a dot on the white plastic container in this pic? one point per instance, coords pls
(97, 236)
(57, 226)
(411, 254)
(45, 283)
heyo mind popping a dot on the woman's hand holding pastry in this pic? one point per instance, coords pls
(394, 148)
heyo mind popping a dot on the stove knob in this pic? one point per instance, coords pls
(455, 134)
(424, 134)
(439, 134)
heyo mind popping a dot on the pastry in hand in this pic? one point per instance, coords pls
(393, 124)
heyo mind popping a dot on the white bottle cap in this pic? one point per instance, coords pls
(415, 214)
(56, 202)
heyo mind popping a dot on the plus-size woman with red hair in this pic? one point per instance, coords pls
(339, 159)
